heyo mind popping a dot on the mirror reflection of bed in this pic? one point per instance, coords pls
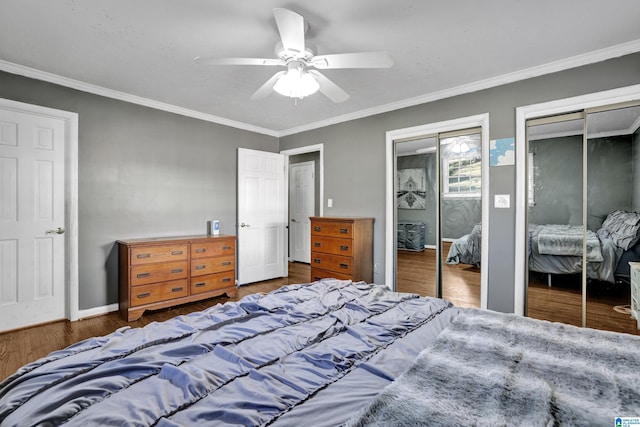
(575, 180)
(439, 203)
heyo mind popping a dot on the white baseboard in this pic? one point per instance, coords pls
(96, 311)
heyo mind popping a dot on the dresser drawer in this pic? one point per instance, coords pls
(332, 245)
(160, 253)
(339, 264)
(209, 249)
(150, 273)
(204, 266)
(332, 228)
(147, 294)
(212, 282)
(317, 274)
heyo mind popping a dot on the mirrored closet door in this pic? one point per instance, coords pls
(583, 220)
(438, 215)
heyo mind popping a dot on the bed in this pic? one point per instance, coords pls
(557, 249)
(329, 353)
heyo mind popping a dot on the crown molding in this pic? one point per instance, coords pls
(551, 67)
(33, 73)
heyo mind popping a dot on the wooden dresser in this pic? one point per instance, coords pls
(342, 248)
(163, 272)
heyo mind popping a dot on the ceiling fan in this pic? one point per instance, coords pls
(301, 77)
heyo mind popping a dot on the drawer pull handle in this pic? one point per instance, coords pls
(344, 247)
(176, 253)
(201, 250)
(199, 285)
(317, 244)
(144, 295)
(316, 260)
(344, 265)
(141, 275)
(226, 248)
(176, 270)
(226, 263)
(177, 289)
(143, 256)
(200, 267)
(344, 231)
(226, 279)
(317, 228)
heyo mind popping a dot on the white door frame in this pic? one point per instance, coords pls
(560, 106)
(71, 195)
(481, 120)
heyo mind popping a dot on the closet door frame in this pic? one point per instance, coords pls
(557, 107)
(481, 121)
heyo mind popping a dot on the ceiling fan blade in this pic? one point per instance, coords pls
(353, 60)
(267, 88)
(329, 88)
(291, 29)
(238, 61)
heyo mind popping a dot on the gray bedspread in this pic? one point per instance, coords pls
(301, 355)
(557, 239)
(492, 369)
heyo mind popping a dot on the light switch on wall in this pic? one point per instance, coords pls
(502, 201)
(329, 203)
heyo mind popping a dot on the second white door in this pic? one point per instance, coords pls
(302, 199)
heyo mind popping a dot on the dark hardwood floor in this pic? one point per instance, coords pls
(416, 272)
(23, 346)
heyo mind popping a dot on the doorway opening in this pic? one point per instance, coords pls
(305, 189)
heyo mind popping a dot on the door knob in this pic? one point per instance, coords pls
(59, 230)
(244, 225)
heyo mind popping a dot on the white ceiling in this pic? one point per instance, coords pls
(142, 50)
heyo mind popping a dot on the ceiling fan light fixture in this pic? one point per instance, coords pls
(296, 82)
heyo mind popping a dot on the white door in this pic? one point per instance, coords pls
(32, 219)
(262, 216)
(302, 200)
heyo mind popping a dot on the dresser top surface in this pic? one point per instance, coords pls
(175, 239)
(341, 218)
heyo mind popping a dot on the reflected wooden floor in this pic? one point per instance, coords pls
(562, 302)
(416, 273)
(23, 346)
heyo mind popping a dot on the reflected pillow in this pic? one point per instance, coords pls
(622, 227)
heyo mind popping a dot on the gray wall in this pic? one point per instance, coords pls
(360, 190)
(636, 172)
(558, 179)
(142, 172)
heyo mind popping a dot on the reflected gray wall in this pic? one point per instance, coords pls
(558, 179)
(459, 215)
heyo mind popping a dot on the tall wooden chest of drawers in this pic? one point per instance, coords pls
(163, 272)
(342, 248)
